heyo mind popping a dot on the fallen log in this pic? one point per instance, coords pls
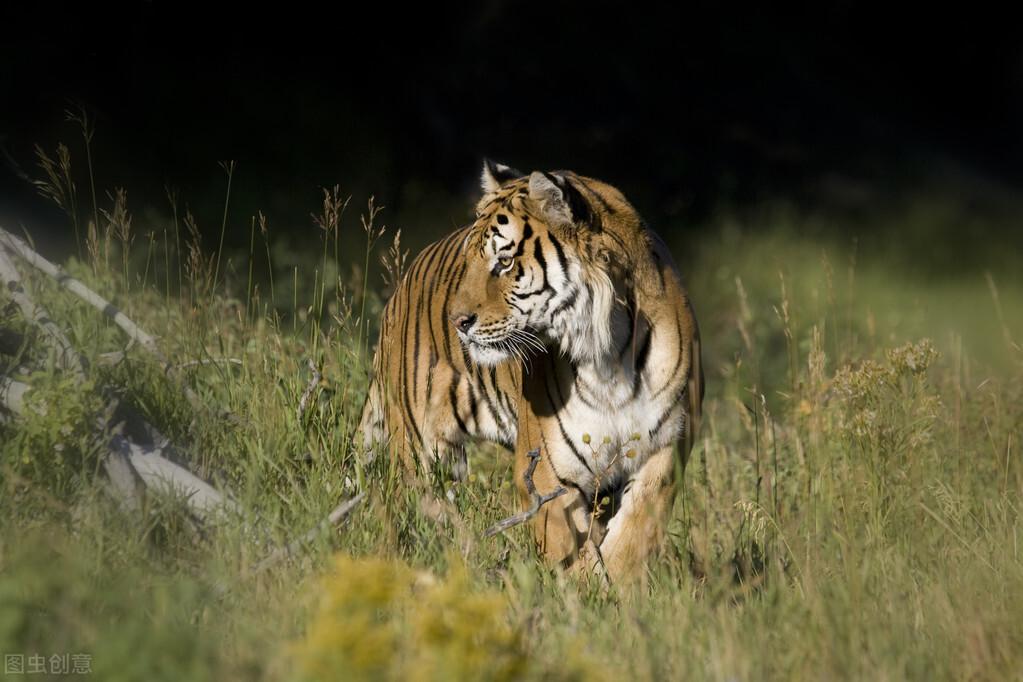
(126, 458)
(131, 465)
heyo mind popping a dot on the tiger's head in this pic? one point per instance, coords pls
(545, 262)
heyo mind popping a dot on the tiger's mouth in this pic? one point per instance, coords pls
(518, 344)
(485, 353)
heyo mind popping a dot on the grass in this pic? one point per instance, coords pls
(852, 508)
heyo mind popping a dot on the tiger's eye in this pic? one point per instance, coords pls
(505, 261)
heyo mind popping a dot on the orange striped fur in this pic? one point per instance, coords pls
(556, 320)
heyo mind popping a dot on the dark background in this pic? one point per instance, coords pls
(689, 109)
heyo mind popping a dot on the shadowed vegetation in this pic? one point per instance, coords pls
(851, 509)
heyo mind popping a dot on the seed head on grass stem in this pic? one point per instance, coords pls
(119, 225)
(57, 185)
(373, 234)
(329, 222)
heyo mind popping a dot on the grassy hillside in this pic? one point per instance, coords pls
(852, 508)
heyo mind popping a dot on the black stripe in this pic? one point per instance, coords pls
(445, 307)
(639, 362)
(509, 409)
(473, 405)
(644, 350)
(453, 248)
(498, 394)
(453, 399)
(658, 268)
(429, 291)
(409, 417)
(555, 409)
(664, 417)
(618, 241)
(415, 356)
(521, 245)
(445, 249)
(491, 405)
(469, 364)
(452, 344)
(404, 368)
(628, 340)
(563, 481)
(562, 261)
(581, 384)
(529, 294)
(538, 255)
(414, 271)
(600, 199)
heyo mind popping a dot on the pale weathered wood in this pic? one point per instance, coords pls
(19, 247)
(164, 476)
(10, 278)
(147, 461)
(130, 465)
(147, 341)
(12, 395)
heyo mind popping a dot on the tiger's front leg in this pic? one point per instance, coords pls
(637, 530)
(560, 528)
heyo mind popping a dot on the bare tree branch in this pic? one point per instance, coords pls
(125, 458)
(538, 499)
(133, 466)
(123, 478)
(333, 519)
(16, 245)
(10, 278)
(12, 395)
(146, 461)
(162, 475)
(136, 333)
(208, 361)
(123, 482)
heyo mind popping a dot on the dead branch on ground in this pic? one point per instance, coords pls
(16, 246)
(127, 461)
(132, 465)
(335, 518)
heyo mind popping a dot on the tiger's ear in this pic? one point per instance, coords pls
(560, 202)
(496, 174)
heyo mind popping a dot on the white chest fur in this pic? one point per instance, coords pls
(625, 417)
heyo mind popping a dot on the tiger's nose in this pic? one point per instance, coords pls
(463, 321)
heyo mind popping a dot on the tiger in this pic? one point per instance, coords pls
(557, 320)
